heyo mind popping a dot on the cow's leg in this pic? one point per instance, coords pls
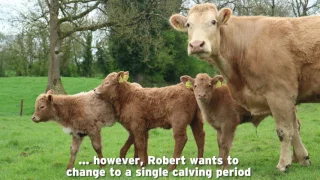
(198, 133)
(294, 156)
(96, 144)
(299, 150)
(74, 148)
(139, 134)
(127, 145)
(283, 111)
(226, 139)
(180, 139)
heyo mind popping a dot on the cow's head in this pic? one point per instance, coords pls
(203, 85)
(108, 89)
(44, 109)
(203, 26)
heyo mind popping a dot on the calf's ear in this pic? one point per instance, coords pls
(126, 76)
(50, 98)
(178, 22)
(120, 77)
(187, 80)
(50, 91)
(217, 78)
(223, 15)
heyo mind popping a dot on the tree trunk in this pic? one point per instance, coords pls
(272, 8)
(54, 79)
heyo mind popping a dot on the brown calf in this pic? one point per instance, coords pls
(141, 109)
(221, 111)
(81, 114)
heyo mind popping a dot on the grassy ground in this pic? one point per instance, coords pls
(41, 151)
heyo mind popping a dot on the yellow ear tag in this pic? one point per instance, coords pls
(125, 77)
(218, 84)
(188, 84)
(121, 79)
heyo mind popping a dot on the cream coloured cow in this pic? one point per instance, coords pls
(271, 64)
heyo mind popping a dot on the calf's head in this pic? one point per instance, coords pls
(44, 109)
(108, 89)
(203, 26)
(203, 85)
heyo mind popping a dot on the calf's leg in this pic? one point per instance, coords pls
(140, 140)
(198, 133)
(74, 148)
(127, 145)
(180, 138)
(226, 139)
(96, 144)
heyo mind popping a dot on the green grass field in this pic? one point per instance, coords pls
(41, 151)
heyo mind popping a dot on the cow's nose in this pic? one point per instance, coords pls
(201, 95)
(197, 46)
(33, 118)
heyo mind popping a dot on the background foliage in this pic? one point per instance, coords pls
(136, 38)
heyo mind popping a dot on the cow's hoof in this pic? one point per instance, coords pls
(306, 161)
(295, 159)
(283, 168)
(172, 167)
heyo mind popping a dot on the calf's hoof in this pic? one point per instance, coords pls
(69, 167)
(305, 161)
(172, 167)
(225, 167)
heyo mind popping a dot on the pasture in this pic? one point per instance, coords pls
(41, 151)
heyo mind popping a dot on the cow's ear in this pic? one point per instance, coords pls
(50, 98)
(187, 81)
(216, 79)
(223, 15)
(50, 91)
(178, 22)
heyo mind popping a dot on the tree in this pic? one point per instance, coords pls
(304, 7)
(71, 16)
(87, 56)
(154, 54)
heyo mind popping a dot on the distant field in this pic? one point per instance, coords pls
(41, 151)
(13, 89)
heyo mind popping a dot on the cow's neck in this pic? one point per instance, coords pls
(234, 41)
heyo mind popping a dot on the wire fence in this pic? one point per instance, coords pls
(17, 109)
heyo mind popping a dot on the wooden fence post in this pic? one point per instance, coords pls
(21, 107)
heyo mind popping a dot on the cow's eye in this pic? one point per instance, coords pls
(188, 25)
(213, 22)
(210, 85)
(41, 107)
(195, 86)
